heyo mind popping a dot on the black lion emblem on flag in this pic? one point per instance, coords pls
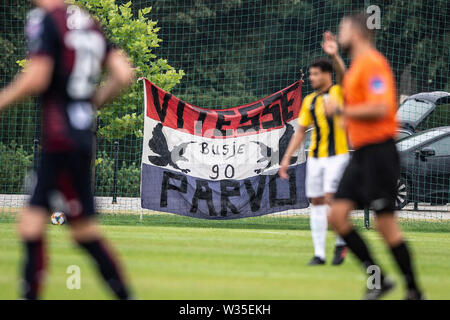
(158, 144)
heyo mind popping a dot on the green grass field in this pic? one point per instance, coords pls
(170, 257)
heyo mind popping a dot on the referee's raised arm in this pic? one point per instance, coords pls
(331, 47)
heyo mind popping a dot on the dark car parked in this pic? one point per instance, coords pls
(423, 111)
(418, 112)
(425, 167)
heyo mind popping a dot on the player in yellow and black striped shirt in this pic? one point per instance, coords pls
(329, 137)
(328, 155)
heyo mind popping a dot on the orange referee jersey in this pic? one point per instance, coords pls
(370, 80)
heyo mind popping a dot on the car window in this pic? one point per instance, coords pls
(417, 139)
(401, 135)
(441, 147)
(412, 110)
(438, 118)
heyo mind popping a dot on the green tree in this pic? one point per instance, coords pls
(236, 50)
(17, 123)
(415, 34)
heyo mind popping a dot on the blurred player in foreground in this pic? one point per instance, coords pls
(370, 178)
(67, 51)
(328, 154)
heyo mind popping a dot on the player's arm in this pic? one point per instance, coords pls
(377, 97)
(367, 111)
(42, 40)
(35, 79)
(120, 75)
(330, 47)
(339, 67)
(294, 144)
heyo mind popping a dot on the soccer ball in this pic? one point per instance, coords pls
(58, 218)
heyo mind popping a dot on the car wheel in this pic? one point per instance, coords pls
(402, 198)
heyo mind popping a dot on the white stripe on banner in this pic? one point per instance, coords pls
(216, 159)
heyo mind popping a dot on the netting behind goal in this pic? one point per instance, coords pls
(236, 51)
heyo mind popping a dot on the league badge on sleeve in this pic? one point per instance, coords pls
(377, 85)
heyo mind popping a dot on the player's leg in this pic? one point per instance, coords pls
(319, 225)
(339, 219)
(383, 197)
(86, 234)
(333, 173)
(31, 227)
(32, 222)
(388, 226)
(347, 198)
(340, 247)
(318, 215)
(76, 186)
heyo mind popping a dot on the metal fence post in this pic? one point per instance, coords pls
(35, 153)
(116, 167)
(366, 218)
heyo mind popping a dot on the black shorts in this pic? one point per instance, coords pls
(370, 179)
(65, 176)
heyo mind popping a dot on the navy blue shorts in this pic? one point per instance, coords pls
(65, 176)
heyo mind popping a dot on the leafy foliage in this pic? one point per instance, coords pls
(233, 51)
(128, 177)
(15, 163)
(18, 123)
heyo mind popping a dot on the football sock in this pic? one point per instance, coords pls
(403, 258)
(107, 267)
(34, 269)
(357, 245)
(339, 241)
(319, 226)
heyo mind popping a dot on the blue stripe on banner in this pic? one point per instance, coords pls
(175, 192)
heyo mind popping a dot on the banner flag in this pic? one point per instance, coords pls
(220, 164)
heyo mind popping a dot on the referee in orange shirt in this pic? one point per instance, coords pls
(370, 179)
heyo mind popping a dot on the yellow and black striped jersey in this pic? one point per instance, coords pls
(329, 137)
